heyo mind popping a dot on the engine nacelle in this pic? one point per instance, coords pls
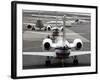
(47, 44)
(78, 44)
(29, 26)
(48, 27)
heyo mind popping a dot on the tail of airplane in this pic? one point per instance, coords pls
(64, 23)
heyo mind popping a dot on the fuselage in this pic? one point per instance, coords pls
(62, 48)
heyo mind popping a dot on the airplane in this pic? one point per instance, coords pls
(81, 20)
(62, 49)
(32, 26)
(52, 28)
(29, 26)
(59, 24)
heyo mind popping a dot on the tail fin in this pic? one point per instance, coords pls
(64, 23)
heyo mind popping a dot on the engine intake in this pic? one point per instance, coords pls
(78, 44)
(47, 45)
(29, 27)
(49, 28)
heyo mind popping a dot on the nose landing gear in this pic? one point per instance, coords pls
(48, 61)
(75, 60)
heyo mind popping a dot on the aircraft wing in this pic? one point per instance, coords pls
(52, 54)
(77, 53)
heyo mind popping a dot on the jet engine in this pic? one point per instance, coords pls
(47, 44)
(48, 27)
(78, 44)
(29, 26)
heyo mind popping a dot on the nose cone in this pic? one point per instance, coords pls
(61, 53)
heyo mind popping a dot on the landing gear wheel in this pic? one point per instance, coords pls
(33, 28)
(75, 62)
(48, 62)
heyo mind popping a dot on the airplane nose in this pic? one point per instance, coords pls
(62, 53)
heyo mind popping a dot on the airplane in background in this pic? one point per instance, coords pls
(29, 26)
(32, 26)
(56, 24)
(51, 25)
(79, 21)
(52, 28)
(62, 48)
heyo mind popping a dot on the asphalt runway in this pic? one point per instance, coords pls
(38, 62)
(32, 43)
